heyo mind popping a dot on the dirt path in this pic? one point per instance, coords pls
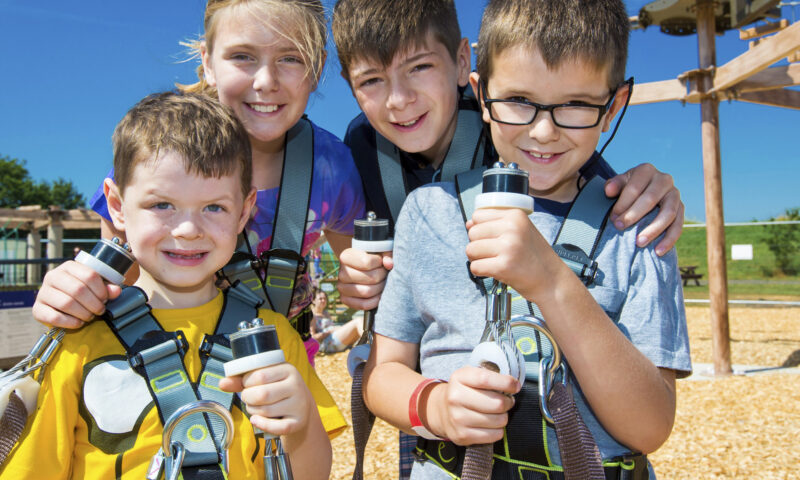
(739, 427)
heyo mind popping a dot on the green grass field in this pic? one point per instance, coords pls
(757, 278)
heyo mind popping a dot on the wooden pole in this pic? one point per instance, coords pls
(712, 173)
(34, 253)
(55, 236)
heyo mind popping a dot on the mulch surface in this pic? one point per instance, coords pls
(742, 427)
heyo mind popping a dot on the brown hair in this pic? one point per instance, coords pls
(380, 29)
(205, 133)
(595, 31)
(300, 21)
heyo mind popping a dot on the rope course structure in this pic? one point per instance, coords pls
(751, 77)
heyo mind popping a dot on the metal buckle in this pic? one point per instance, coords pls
(283, 254)
(206, 406)
(578, 261)
(154, 339)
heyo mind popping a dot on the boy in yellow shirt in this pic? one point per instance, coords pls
(181, 193)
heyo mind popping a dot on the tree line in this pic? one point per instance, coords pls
(17, 188)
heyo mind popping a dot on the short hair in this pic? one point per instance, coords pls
(300, 21)
(594, 31)
(380, 29)
(205, 133)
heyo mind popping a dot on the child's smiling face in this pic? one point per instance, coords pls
(260, 74)
(552, 155)
(181, 227)
(413, 101)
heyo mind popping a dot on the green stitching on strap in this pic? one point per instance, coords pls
(160, 389)
(190, 433)
(213, 386)
(277, 281)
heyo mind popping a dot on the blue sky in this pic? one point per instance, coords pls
(70, 70)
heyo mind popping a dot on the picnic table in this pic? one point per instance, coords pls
(689, 273)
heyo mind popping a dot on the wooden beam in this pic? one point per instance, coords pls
(662, 91)
(776, 98)
(771, 78)
(761, 30)
(767, 52)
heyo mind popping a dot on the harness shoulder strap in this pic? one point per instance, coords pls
(157, 355)
(285, 261)
(465, 152)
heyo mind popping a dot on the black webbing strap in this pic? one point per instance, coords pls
(580, 456)
(523, 454)
(11, 424)
(363, 420)
(291, 212)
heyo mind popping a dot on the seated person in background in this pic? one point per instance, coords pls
(332, 338)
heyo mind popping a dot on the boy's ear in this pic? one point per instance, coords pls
(619, 101)
(208, 71)
(463, 62)
(247, 209)
(475, 83)
(114, 203)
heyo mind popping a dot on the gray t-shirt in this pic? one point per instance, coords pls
(430, 299)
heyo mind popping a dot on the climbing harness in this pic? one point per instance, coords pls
(157, 355)
(254, 346)
(522, 454)
(19, 386)
(272, 274)
(370, 235)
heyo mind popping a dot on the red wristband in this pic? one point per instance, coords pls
(413, 413)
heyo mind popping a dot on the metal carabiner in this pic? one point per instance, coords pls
(175, 465)
(548, 366)
(205, 406)
(546, 381)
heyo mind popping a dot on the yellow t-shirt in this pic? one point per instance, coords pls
(95, 417)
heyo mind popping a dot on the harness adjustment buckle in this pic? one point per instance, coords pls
(578, 261)
(283, 254)
(154, 345)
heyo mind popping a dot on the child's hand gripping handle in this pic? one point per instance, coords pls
(18, 389)
(370, 235)
(504, 186)
(256, 346)
(109, 258)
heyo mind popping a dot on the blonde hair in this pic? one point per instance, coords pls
(302, 22)
(207, 136)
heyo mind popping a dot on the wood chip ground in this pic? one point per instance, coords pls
(737, 427)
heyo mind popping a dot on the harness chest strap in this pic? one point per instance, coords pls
(157, 355)
(284, 261)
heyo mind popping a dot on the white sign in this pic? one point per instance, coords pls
(741, 252)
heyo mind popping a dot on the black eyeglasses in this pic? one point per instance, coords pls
(565, 115)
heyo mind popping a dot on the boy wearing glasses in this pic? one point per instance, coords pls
(550, 78)
(408, 67)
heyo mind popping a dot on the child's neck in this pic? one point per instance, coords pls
(267, 168)
(164, 296)
(564, 191)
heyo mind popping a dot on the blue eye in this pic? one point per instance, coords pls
(215, 208)
(161, 206)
